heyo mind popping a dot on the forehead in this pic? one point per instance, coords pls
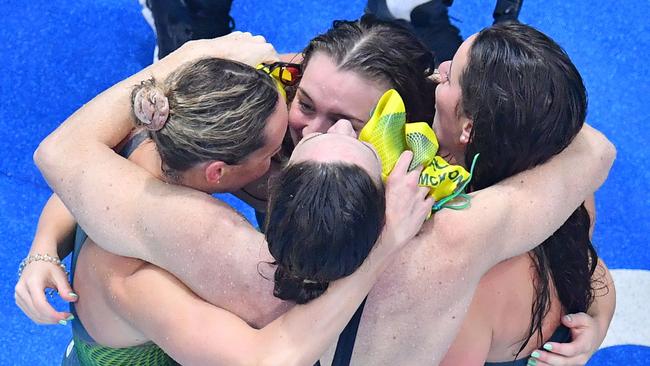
(334, 147)
(462, 54)
(339, 91)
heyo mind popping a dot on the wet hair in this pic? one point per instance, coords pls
(217, 111)
(527, 102)
(324, 218)
(382, 52)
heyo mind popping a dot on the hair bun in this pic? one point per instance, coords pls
(296, 289)
(151, 107)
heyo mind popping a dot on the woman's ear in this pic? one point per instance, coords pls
(466, 131)
(214, 171)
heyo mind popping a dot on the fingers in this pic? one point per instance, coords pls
(246, 36)
(63, 287)
(572, 349)
(30, 294)
(402, 165)
(42, 308)
(423, 191)
(577, 320)
(533, 362)
(21, 296)
(25, 302)
(258, 38)
(545, 358)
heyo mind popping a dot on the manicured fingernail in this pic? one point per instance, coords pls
(72, 294)
(548, 346)
(71, 317)
(568, 318)
(535, 354)
(63, 322)
(531, 362)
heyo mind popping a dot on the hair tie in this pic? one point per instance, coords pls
(435, 76)
(151, 107)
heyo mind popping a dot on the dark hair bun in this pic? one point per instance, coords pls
(298, 290)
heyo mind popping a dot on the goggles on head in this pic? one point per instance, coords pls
(284, 73)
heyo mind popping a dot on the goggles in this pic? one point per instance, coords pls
(287, 73)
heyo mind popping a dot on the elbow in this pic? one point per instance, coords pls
(45, 156)
(605, 153)
(607, 158)
(610, 153)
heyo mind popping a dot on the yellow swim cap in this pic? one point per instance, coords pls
(388, 132)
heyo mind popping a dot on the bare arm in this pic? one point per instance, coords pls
(588, 330)
(55, 230)
(54, 237)
(136, 215)
(75, 159)
(602, 309)
(298, 337)
(520, 212)
(590, 205)
(435, 279)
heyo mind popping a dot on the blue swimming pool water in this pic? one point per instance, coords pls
(55, 56)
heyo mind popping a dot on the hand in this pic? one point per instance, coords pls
(30, 292)
(237, 46)
(407, 204)
(586, 339)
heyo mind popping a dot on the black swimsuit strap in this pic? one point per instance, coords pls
(345, 345)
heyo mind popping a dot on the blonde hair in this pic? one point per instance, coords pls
(217, 111)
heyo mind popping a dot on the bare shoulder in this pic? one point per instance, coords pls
(417, 306)
(429, 276)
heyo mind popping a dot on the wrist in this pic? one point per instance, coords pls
(42, 246)
(385, 249)
(41, 258)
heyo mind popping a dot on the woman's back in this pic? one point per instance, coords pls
(95, 272)
(499, 316)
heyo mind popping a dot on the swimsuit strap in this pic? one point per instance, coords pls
(345, 344)
(133, 143)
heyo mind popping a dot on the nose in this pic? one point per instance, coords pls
(302, 125)
(343, 127)
(316, 125)
(443, 71)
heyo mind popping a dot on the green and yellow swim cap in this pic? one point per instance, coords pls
(388, 132)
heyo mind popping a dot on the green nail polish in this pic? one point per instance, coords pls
(72, 294)
(548, 347)
(535, 354)
(531, 362)
(71, 317)
(63, 322)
